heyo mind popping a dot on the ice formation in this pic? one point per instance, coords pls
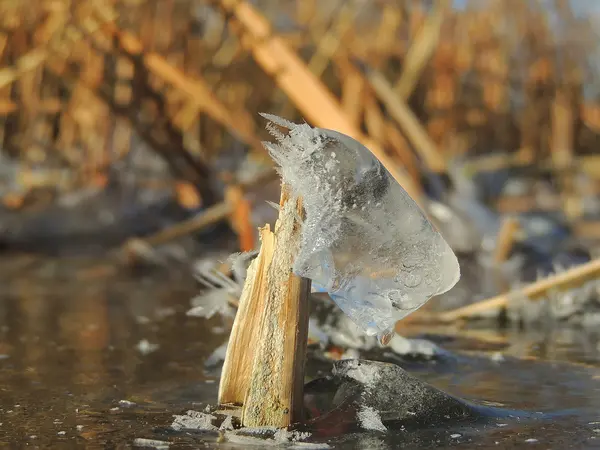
(194, 420)
(364, 240)
(369, 419)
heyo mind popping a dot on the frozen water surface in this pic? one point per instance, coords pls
(364, 240)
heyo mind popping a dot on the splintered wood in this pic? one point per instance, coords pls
(241, 350)
(263, 370)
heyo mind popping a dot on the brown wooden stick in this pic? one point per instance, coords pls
(329, 44)
(561, 281)
(506, 239)
(275, 392)
(264, 365)
(214, 214)
(241, 350)
(407, 121)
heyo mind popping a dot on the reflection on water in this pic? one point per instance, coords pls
(72, 368)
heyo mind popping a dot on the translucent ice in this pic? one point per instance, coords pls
(364, 240)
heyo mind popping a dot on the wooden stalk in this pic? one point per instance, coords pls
(506, 239)
(264, 366)
(408, 122)
(241, 350)
(573, 277)
(421, 50)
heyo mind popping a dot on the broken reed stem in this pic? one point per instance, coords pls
(408, 122)
(211, 215)
(421, 50)
(264, 365)
(239, 359)
(561, 281)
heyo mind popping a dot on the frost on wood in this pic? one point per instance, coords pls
(364, 240)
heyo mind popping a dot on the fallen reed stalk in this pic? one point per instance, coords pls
(571, 278)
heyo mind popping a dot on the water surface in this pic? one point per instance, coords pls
(95, 355)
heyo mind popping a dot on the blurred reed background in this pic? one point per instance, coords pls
(157, 101)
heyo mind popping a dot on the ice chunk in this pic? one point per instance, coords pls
(150, 443)
(194, 420)
(369, 419)
(364, 240)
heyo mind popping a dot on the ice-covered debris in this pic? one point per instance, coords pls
(350, 353)
(235, 437)
(497, 357)
(316, 333)
(150, 443)
(217, 298)
(126, 403)
(217, 356)
(210, 303)
(465, 201)
(369, 419)
(285, 435)
(239, 263)
(309, 446)
(457, 229)
(591, 321)
(272, 437)
(194, 420)
(347, 334)
(227, 424)
(366, 374)
(393, 394)
(257, 436)
(578, 305)
(364, 240)
(145, 347)
(414, 347)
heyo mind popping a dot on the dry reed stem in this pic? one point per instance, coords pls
(211, 215)
(241, 350)
(506, 239)
(421, 50)
(197, 90)
(353, 93)
(484, 51)
(276, 386)
(264, 365)
(329, 44)
(571, 278)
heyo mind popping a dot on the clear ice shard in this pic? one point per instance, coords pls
(364, 240)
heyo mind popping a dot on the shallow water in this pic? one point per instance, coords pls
(73, 372)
